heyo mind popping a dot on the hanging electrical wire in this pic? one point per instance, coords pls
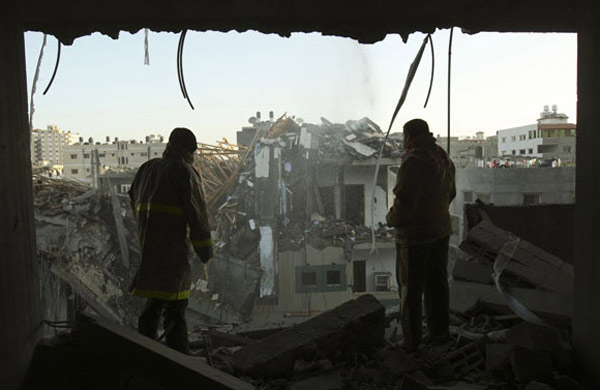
(432, 70)
(180, 67)
(409, 78)
(35, 80)
(449, 73)
(146, 51)
(55, 68)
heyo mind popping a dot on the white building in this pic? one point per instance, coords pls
(551, 137)
(47, 145)
(81, 164)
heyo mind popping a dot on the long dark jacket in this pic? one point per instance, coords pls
(166, 196)
(424, 189)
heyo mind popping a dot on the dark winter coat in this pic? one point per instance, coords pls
(167, 198)
(424, 189)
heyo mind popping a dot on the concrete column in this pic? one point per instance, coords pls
(19, 283)
(586, 319)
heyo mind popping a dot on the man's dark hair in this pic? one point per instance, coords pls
(183, 138)
(416, 128)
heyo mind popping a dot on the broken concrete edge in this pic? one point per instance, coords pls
(154, 360)
(354, 325)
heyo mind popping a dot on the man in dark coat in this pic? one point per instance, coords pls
(167, 198)
(424, 189)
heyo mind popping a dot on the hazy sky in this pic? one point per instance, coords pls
(102, 87)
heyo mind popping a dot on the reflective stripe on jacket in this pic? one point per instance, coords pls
(167, 197)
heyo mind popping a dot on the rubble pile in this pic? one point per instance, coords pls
(88, 250)
(506, 274)
(355, 347)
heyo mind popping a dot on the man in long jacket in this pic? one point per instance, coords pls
(424, 188)
(166, 196)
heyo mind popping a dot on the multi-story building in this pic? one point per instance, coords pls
(551, 137)
(469, 152)
(47, 145)
(85, 161)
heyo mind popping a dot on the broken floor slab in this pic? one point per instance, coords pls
(354, 325)
(465, 296)
(541, 269)
(150, 358)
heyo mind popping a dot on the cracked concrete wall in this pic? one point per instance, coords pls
(20, 326)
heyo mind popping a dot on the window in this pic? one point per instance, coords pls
(567, 149)
(354, 202)
(125, 188)
(143, 154)
(522, 137)
(334, 278)
(132, 154)
(522, 151)
(73, 156)
(503, 140)
(101, 155)
(309, 279)
(514, 152)
(156, 153)
(513, 138)
(467, 196)
(530, 151)
(320, 278)
(573, 132)
(327, 200)
(112, 155)
(86, 155)
(485, 198)
(87, 169)
(74, 171)
(532, 198)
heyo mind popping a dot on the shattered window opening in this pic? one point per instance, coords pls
(334, 278)
(309, 279)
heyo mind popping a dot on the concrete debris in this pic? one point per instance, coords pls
(87, 246)
(530, 365)
(157, 362)
(353, 326)
(528, 280)
(538, 386)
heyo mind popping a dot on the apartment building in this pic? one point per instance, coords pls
(551, 137)
(47, 145)
(85, 161)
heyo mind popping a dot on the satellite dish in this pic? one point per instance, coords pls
(252, 120)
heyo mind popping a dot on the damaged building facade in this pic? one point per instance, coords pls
(19, 302)
(307, 220)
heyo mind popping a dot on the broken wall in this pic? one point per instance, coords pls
(363, 175)
(504, 187)
(381, 262)
(549, 226)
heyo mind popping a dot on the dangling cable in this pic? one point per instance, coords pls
(449, 73)
(55, 68)
(432, 69)
(35, 80)
(409, 78)
(146, 51)
(180, 68)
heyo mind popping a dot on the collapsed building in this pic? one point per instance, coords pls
(301, 230)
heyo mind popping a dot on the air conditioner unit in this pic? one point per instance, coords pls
(382, 281)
